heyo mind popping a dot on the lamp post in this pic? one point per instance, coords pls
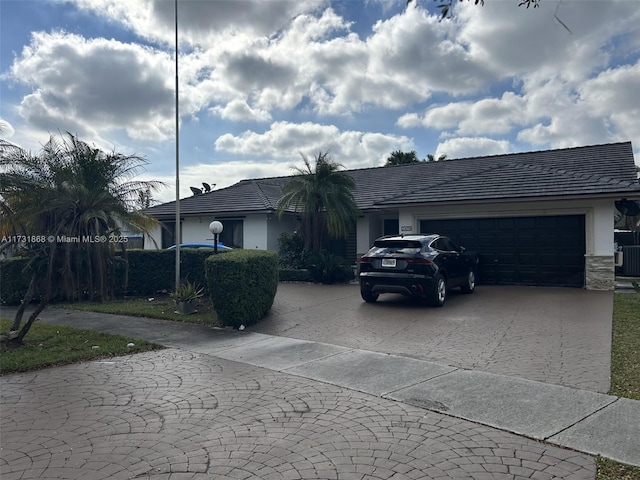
(216, 228)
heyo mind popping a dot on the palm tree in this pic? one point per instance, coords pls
(71, 200)
(400, 158)
(432, 158)
(324, 196)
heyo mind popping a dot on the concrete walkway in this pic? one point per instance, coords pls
(579, 420)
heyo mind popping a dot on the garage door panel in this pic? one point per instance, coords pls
(506, 223)
(572, 259)
(521, 250)
(550, 242)
(527, 223)
(528, 277)
(486, 242)
(507, 241)
(549, 260)
(526, 241)
(527, 259)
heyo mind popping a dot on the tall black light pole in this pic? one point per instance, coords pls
(178, 235)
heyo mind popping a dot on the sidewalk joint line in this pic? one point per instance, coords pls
(615, 399)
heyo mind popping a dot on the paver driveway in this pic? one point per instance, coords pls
(553, 335)
(176, 415)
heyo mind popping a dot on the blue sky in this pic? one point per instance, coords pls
(262, 81)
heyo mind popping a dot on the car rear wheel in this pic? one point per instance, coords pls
(368, 296)
(470, 284)
(438, 293)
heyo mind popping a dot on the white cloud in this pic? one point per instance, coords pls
(495, 71)
(614, 96)
(87, 86)
(239, 111)
(203, 23)
(519, 41)
(221, 174)
(472, 147)
(286, 140)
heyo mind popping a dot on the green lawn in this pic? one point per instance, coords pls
(161, 306)
(625, 371)
(50, 345)
(625, 346)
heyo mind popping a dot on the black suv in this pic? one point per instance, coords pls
(418, 265)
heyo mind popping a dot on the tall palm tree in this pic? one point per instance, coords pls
(70, 201)
(400, 158)
(323, 194)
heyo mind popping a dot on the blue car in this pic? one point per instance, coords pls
(221, 247)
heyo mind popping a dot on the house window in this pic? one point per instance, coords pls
(232, 232)
(168, 234)
(391, 226)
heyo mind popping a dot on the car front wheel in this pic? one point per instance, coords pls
(439, 291)
(470, 284)
(368, 296)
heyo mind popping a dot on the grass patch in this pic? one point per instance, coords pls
(51, 345)
(625, 346)
(611, 470)
(151, 307)
(625, 372)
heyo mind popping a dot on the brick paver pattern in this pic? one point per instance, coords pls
(175, 415)
(549, 335)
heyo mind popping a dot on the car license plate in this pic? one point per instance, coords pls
(389, 262)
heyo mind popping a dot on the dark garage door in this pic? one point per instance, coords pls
(521, 250)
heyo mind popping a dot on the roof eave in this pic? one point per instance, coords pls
(630, 195)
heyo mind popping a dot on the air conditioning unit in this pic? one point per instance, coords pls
(617, 259)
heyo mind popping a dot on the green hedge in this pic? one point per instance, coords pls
(295, 275)
(150, 271)
(13, 280)
(242, 285)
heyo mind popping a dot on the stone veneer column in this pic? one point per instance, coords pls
(600, 272)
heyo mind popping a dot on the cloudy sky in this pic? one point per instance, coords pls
(262, 81)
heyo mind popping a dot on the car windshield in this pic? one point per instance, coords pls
(398, 246)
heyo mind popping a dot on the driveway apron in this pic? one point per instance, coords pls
(552, 335)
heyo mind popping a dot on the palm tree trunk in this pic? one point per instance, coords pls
(43, 303)
(26, 300)
(32, 318)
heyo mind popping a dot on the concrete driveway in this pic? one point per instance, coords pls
(554, 335)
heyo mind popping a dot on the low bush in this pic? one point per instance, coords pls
(13, 280)
(325, 267)
(242, 285)
(291, 251)
(294, 275)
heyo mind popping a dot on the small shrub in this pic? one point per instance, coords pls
(242, 285)
(325, 267)
(187, 291)
(291, 252)
(294, 275)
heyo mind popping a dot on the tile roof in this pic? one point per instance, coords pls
(596, 170)
(246, 196)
